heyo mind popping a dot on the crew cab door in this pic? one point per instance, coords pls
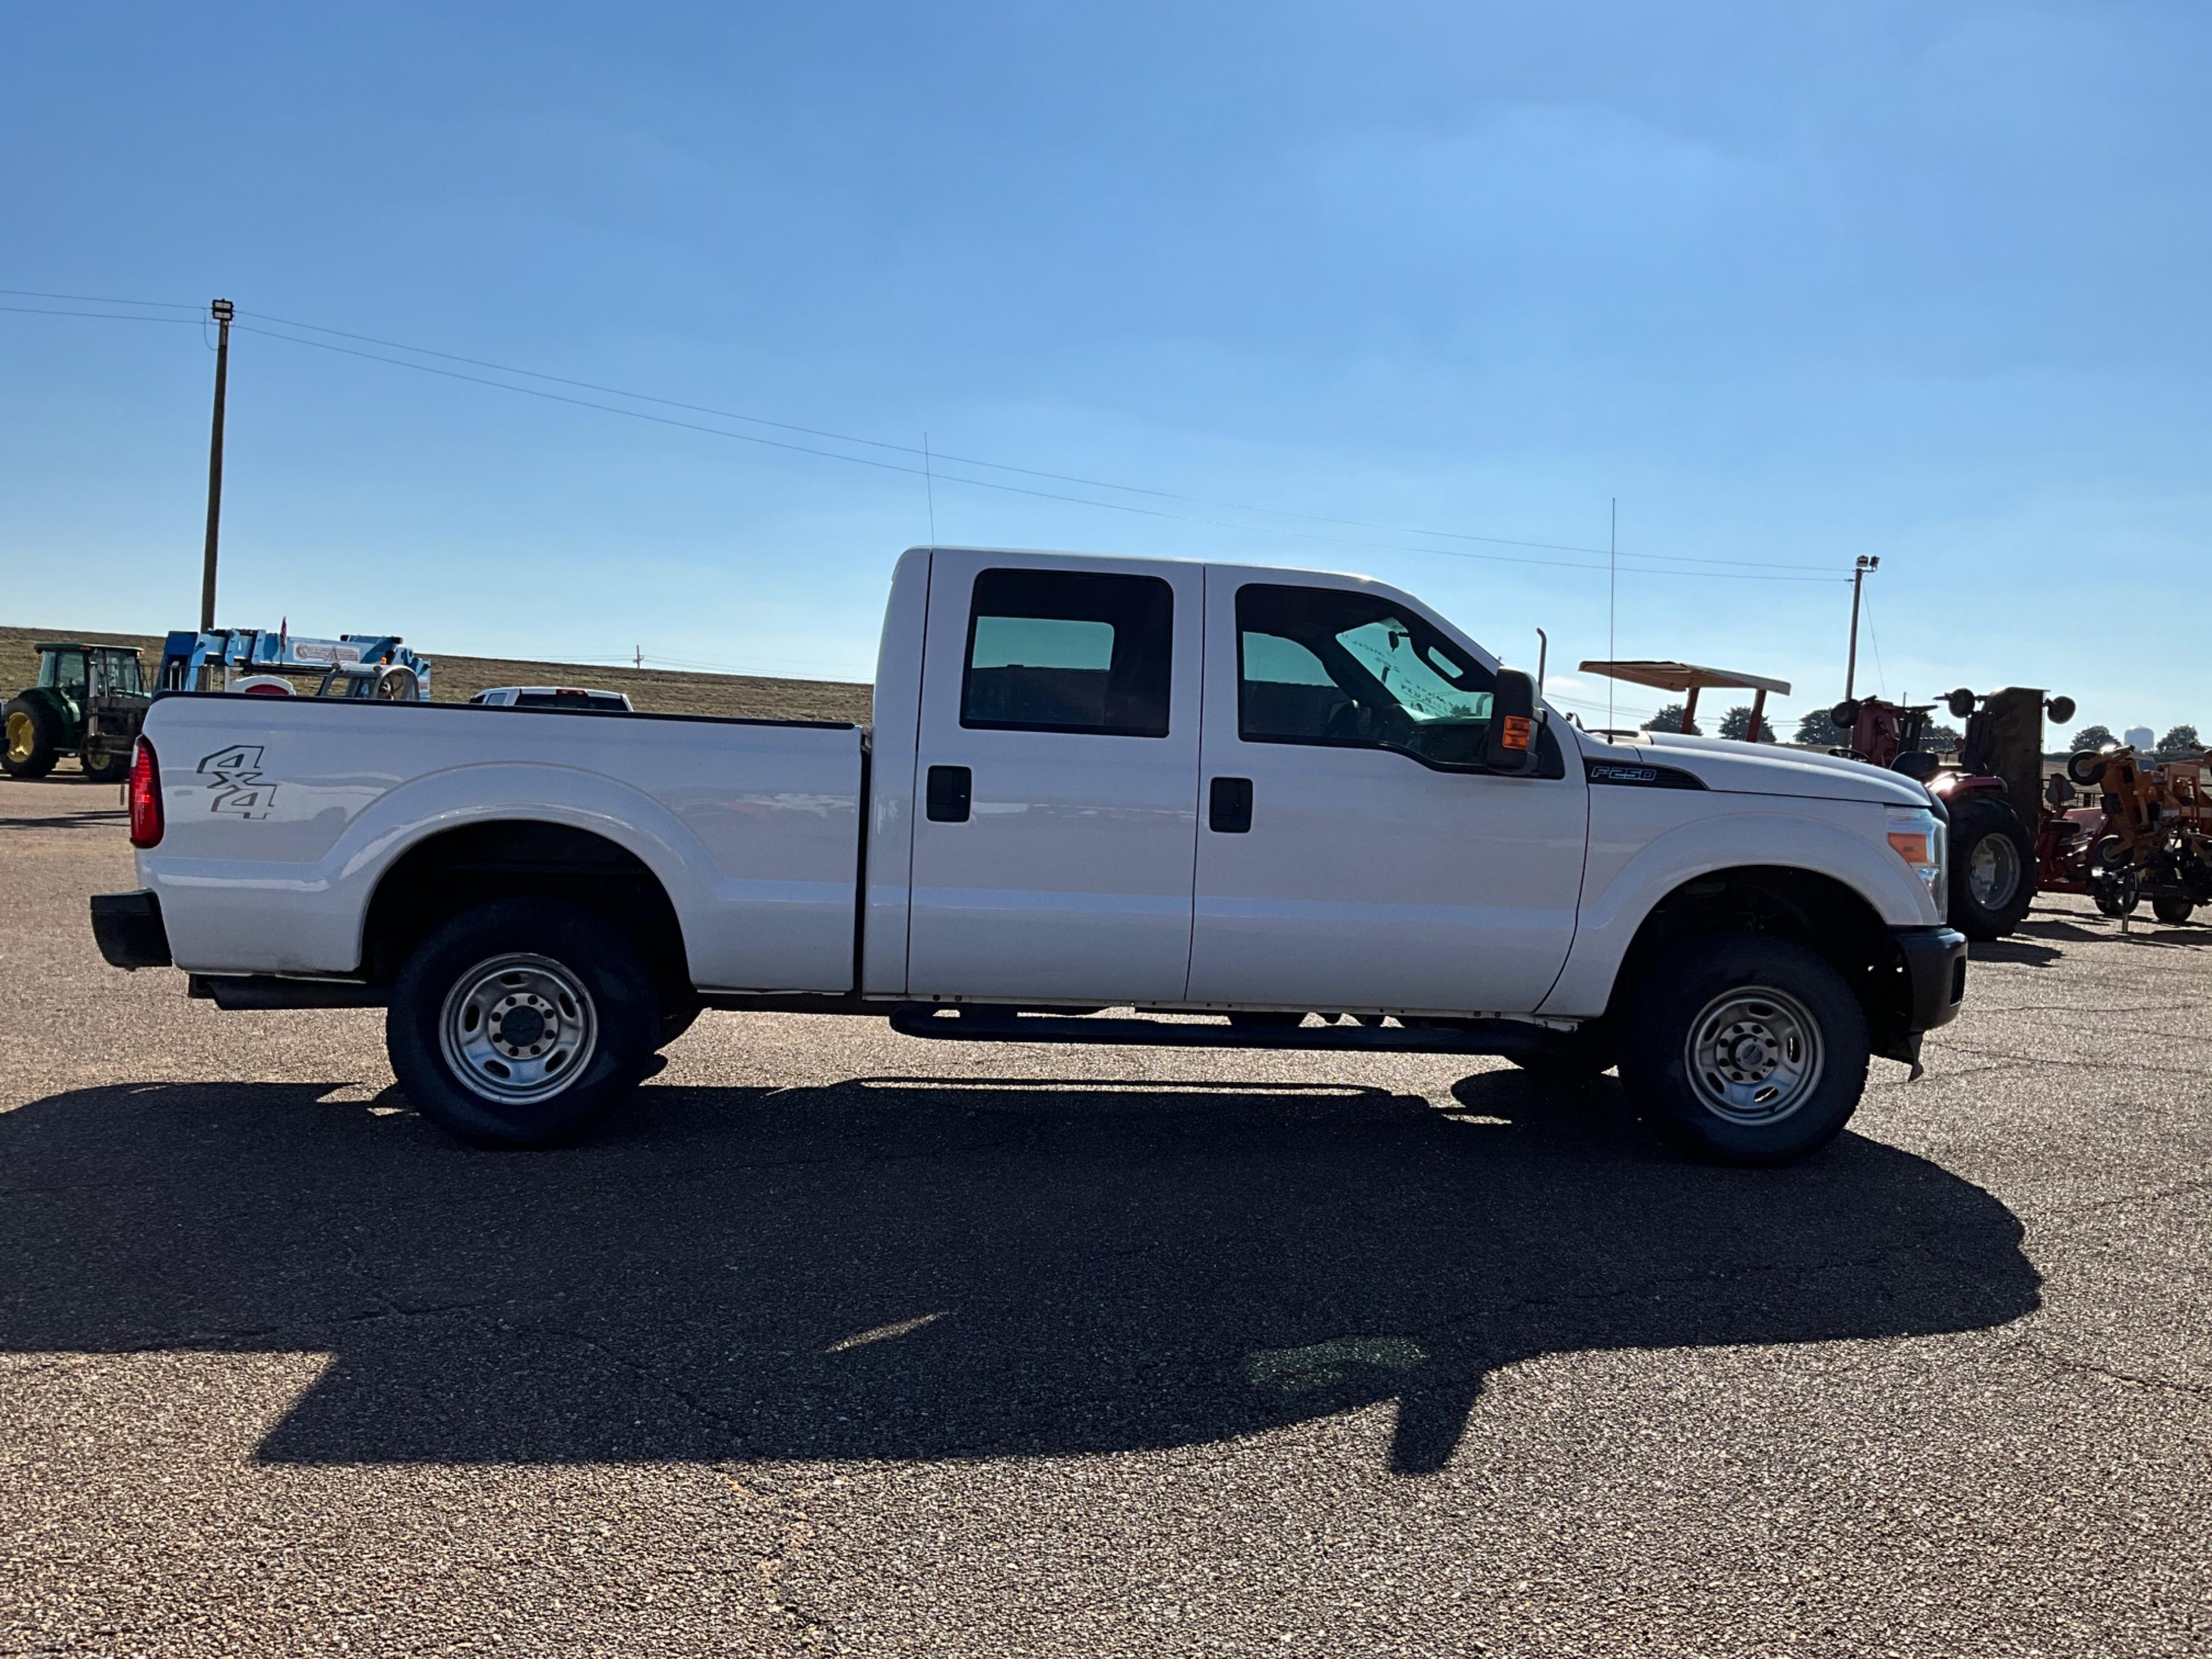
(1057, 779)
(1352, 853)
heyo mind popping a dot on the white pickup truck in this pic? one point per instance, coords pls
(1252, 807)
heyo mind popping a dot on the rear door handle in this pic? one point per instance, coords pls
(951, 788)
(1228, 806)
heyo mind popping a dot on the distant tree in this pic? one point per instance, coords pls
(1669, 719)
(2092, 738)
(1736, 724)
(1817, 731)
(2179, 744)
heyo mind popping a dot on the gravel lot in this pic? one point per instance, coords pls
(843, 1341)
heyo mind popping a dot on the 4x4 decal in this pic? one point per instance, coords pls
(235, 782)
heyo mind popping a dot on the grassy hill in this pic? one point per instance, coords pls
(456, 679)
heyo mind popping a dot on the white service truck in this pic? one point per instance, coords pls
(1303, 805)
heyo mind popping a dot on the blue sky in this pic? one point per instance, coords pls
(1794, 283)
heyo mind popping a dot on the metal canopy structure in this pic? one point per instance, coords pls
(1689, 678)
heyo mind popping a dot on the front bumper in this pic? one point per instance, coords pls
(128, 930)
(1934, 973)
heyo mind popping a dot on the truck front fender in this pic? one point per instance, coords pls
(1631, 870)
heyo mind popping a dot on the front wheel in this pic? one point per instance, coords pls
(34, 738)
(1744, 1049)
(1992, 869)
(105, 765)
(522, 1022)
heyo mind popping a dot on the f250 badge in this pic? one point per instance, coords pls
(236, 784)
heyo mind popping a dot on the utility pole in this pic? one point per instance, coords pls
(221, 311)
(1851, 665)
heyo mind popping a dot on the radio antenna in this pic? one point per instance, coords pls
(1611, 580)
(929, 483)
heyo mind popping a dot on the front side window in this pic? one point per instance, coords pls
(1068, 651)
(1349, 670)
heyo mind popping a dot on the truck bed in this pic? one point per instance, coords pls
(751, 826)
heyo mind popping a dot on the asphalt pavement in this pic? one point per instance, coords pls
(842, 1341)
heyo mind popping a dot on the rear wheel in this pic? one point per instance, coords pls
(2172, 908)
(522, 1022)
(1744, 1049)
(34, 738)
(1992, 868)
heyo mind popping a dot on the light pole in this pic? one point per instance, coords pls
(1867, 563)
(221, 311)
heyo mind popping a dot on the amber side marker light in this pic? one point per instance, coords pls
(145, 788)
(1517, 732)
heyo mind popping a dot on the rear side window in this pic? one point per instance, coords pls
(600, 702)
(1068, 651)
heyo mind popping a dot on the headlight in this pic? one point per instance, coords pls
(1917, 835)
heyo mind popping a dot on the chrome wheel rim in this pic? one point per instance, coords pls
(518, 1029)
(1753, 1055)
(1993, 871)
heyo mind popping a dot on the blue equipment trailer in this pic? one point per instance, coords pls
(351, 665)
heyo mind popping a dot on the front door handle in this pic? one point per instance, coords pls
(1228, 806)
(950, 790)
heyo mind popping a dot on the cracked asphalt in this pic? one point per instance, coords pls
(842, 1341)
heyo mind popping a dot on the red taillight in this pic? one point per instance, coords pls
(145, 796)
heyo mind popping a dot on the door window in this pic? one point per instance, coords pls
(1068, 651)
(1348, 670)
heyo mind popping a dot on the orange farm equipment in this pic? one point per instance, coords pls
(2149, 835)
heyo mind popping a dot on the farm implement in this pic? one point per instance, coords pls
(2149, 835)
(1993, 794)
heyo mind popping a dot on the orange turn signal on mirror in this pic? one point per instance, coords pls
(1911, 846)
(1516, 735)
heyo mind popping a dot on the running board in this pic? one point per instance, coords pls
(968, 1024)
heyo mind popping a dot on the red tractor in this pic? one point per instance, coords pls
(1993, 794)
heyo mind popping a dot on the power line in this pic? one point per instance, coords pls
(98, 299)
(981, 484)
(105, 316)
(997, 466)
(1734, 570)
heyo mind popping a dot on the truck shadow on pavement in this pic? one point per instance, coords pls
(929, 1268)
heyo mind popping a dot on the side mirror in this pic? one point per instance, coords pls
(1916, 763)
(1510, 745)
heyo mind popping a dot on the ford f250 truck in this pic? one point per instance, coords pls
(1103, 800)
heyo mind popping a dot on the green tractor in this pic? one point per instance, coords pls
(89, 702)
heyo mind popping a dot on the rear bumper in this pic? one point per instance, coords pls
(128, 930)
(1935, 972)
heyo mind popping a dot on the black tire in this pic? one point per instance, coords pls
(676, 1018)
(2172, 908)
(1992, 868)
(488, 987)
(105, 765)
(2086, 768)
(1754, 1000)
(30, 739)
(2115, 892)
